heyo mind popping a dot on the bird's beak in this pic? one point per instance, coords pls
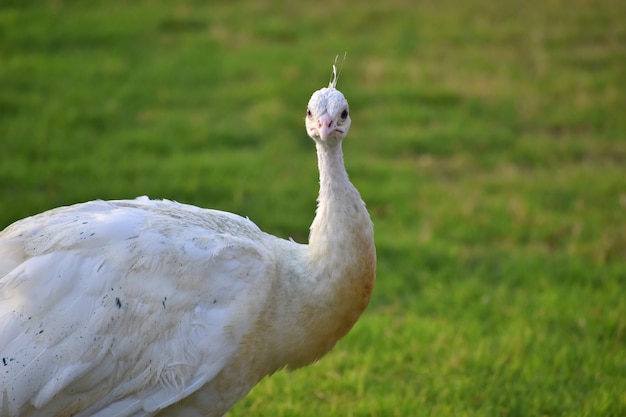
(325, 126)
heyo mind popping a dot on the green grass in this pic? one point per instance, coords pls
(488, 139)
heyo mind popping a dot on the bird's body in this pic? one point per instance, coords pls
(144, 307)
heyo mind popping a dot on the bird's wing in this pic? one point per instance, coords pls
(125, 307)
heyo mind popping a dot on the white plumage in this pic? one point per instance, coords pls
(143, 307)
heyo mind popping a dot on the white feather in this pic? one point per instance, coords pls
(151, 293)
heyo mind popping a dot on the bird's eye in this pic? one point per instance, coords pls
(308, 113)
(344, 114)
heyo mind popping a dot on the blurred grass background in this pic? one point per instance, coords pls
(488, 139)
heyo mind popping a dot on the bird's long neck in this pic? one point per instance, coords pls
(341, 217)
(323, 287)
(341, 253)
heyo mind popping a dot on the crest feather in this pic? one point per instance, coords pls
(335, 75)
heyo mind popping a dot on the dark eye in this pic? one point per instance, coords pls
(308, 113)
(344, 114)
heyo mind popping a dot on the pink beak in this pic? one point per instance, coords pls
(325, 125)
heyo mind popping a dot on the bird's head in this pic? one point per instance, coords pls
(327, 115)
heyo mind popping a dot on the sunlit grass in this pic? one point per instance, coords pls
(488, 141)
